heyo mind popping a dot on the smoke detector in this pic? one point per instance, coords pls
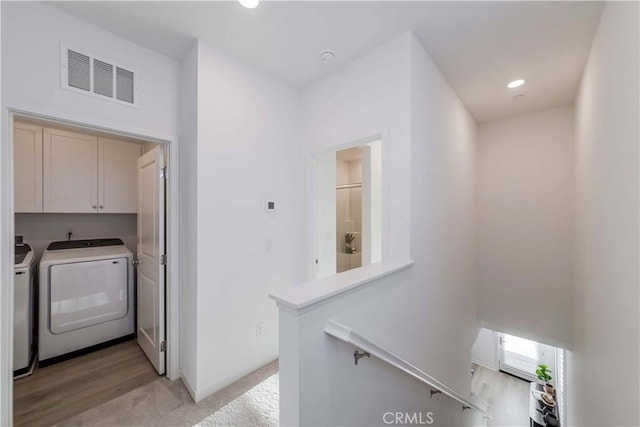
(327, 57)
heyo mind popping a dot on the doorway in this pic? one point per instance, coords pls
(520, 357)
(79, 190)
(503, 370)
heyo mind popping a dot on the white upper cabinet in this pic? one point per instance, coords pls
(27, 168)
(117, 176)
(70, 172)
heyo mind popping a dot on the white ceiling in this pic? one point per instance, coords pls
(479, 46)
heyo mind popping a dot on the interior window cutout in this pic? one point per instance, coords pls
(348, 206)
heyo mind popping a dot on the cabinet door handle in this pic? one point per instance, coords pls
(101, 207)
(93, 207)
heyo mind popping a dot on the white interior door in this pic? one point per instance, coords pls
(151, 239)
(324, 168)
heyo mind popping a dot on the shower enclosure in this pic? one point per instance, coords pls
(348, 209)
(349, 226)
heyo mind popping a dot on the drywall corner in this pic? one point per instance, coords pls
(189, 205)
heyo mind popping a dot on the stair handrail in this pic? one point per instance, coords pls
(348, 335)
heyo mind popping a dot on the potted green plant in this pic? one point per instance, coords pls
(543, 372)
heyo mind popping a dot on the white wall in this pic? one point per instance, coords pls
(40, 229)
(247, 153)
(485, 349)
(189, 231)
(342, 172)
(32, 81)
(443, 141)
(430, 169)
(363, 99)
(325, 172)
(355, 172)
(6, 329)
(329, 390)
(348, 172)
(372, 198)
(603, 368)
(525, 225)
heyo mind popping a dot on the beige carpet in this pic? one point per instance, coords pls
(257, 407)
(166, 403)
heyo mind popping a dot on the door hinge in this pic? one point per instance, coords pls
(163, 259)
(164, 174)
(163, 346)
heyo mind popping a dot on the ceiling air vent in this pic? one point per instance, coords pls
(92, 76)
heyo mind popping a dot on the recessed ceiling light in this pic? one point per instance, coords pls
(515, 83)
(249, 4)
(327, 57)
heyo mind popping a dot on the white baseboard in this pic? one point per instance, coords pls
(189, 387)
(493, 368)
(207, 390)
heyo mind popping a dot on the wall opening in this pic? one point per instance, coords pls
(347, 208)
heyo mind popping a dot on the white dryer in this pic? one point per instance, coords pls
(86, 295)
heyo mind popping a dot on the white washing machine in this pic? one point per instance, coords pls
(24, 310)
(86, 296)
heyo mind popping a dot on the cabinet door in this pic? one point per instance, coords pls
(118, 176)
(70, 172)
(27, 167)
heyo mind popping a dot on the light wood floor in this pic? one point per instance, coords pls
(57, 392)
(507, 396)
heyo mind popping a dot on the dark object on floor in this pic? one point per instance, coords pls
(551, 420)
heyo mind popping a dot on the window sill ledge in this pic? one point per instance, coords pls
(306, 297)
